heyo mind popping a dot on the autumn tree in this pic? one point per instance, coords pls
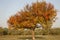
(39, 12)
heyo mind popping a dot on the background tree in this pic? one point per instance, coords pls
(39, 12)
(1, 31)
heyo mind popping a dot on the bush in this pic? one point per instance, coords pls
(55, 31)
(5, 32)
(1, 31)
(15, 32)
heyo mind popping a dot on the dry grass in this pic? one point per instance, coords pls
(29, 37)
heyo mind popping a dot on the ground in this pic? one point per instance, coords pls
(29, 37)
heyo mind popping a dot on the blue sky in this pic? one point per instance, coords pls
(10, 7)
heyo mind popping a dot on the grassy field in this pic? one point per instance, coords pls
(29, 37)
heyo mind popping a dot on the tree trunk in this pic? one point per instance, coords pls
(33, 35)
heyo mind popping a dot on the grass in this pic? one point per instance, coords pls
(29, 37)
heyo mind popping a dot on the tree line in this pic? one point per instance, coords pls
(6, 31)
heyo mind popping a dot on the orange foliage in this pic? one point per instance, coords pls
(31, 15)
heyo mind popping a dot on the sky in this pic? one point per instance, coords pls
(11, 7)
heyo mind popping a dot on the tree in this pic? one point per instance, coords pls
(1, 31)
(40, 12)
(5, 32)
